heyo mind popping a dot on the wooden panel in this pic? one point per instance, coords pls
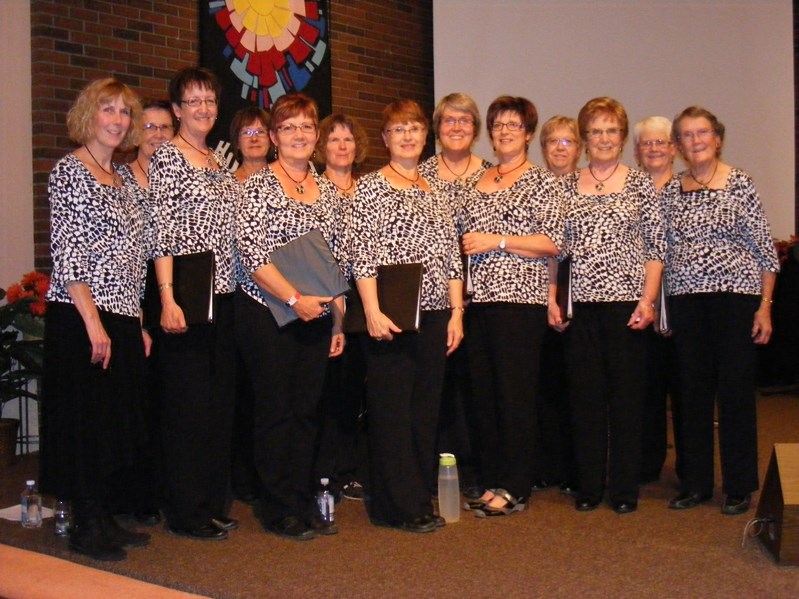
(779, 502)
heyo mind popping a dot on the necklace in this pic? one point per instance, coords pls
(344, 190)
(207, 153)
(458, 176)
(413, 182)
(500, 174)
(300, 187)
(705, 184)
(144, 170)
(113, 172)
(601, 182)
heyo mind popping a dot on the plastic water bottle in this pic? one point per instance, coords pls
(31, 503)
(61, 516)
(326, 502)
(449, 493)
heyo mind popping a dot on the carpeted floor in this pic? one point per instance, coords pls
(550, 550)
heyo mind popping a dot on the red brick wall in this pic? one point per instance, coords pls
(381, 51)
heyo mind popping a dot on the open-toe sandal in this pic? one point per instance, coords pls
(513, 505)
(479, 503)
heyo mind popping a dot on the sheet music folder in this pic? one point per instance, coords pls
(564, 295)
(308, 264)
(192, 287)
(399, 292)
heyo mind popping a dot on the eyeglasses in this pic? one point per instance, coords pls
(152, 128)
(197, 102)
(511, 125)
(452, 121)
(401, 131)
(252, 132)
(691, 135)
(289, 129)
(654, 143)
(597, 133)
(566, 142)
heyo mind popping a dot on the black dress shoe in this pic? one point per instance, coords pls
(567, 488)
(735, 505)
(291, 527)
(206, 532)
(147, 517)
(420, 524)
(122, 536)
(688, 499)
(248, 497)
(321, 527)
(585, 504)
(223, 523)
(540, 485)
(625, 506)
(437, 520)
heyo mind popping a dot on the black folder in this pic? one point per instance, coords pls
(308, 264)
(399, 292)
(192, 287)
(564, 295)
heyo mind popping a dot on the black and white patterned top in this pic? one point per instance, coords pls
(532, 205)
(453, 191)
(194, 211)
(143, 198)
(267, 219)
(96, 236)
(404, 226)
(718, 239)
(610, 237)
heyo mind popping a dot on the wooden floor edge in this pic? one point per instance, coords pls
(29, 575)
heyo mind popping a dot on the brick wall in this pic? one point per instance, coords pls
(381, 50)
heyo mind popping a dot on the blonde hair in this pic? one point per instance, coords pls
(80, 118)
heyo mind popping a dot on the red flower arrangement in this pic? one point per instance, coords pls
(32, 289)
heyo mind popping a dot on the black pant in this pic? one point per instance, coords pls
(607, 386)
(287, 368)
(405, 378)
(717, 361)
(504, 357)
(198, 375)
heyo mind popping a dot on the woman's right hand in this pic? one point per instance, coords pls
(309, 307)
(101, 342)
(380, 326)
(555, 318)
(172, 318)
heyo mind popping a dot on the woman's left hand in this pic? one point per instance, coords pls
(479, 243)
(642, 316)
(761, 328)
(454, 331)
(336, 345)
(148, 342)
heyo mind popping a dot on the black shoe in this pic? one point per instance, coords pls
(540, 485)
(321, 527)
(223, 523)
(585, 504)
(122, 536)
(648, 477)
(735, 505)
(567, 488)
(687, 500)
(353, 490)
(420, 524)
(473, 492)
(206, 532)
(248, 497)
(147, 517)
(291, 527)
(625, 506)
(97, 547)
(437, 520)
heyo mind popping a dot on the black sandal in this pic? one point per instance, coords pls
(513, 505)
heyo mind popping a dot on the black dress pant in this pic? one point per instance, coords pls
(717, 361)
(504, 357)
(198, 376)
(404, 385)
(607, 387)
(287, 369)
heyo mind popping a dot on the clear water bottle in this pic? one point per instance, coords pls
(62, 517)
(326, 503)
(449, 493)
(31, 504)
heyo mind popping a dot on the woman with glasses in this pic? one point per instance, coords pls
(722, 267)
(511, 221)
(93, 428)
(655, 153)
(455, 169)
(249, 140)
(561, 144)
(194, 200)
(614, 235)
(398, 218)
(286, 366)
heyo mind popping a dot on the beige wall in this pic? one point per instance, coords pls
(16, 178)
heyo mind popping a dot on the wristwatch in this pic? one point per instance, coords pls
(293, 299)
(502, 243)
